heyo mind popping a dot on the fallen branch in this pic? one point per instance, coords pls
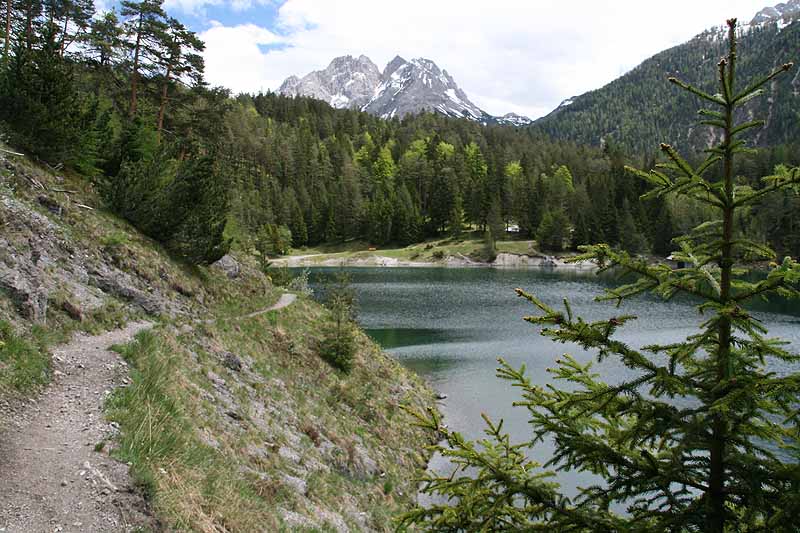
(64, 191)
(10, 152)
(85, 207)
(35, 182)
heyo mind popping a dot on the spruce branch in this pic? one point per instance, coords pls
(694, 90)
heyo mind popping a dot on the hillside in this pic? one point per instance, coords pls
(229, 419)
(639, 110)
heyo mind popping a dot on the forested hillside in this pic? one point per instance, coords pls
(639, 110)
(119, 98)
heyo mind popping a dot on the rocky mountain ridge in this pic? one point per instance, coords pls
(404, 87)
(780, 11)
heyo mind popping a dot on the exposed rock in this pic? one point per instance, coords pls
(777, 12)
(362, 464)
(231, 361)
(120, 284)
(75, 312)
(295, 483)
(297, 521)
(289, 454)
(518, 260)
(229, 266)
(348, 82)
(29, 297)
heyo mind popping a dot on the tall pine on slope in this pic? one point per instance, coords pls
(690, 443)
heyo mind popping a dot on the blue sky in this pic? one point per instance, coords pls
(524, 56)
(227, 13)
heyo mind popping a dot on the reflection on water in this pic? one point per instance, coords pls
(399, 337)
(450, 325)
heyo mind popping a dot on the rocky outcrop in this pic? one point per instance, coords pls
(28, 295)
(47, 266)
(229, 266)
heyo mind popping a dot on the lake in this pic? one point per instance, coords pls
(451, 324)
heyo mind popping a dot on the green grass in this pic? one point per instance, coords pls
(24, 363)
(189, 482)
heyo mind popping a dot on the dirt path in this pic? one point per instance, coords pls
(285, 300)
(51, 477)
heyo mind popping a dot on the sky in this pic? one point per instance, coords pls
(523, 56)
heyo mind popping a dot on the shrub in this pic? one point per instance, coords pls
(338, 347)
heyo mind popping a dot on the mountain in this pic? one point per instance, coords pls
(404, 87)
(641, 109)
(787, 9)
(347, 82)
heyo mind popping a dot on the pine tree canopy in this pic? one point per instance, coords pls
(706, 434)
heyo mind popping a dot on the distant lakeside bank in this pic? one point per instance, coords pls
(376, 259)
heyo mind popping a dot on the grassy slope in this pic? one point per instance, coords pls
(282, 443)
(470, 245)
(221, 447)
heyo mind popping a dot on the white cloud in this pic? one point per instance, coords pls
(233, 57)
(507, 55)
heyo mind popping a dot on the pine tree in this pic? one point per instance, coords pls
(40, 103)
(74, 18)
(553, 230)
(687, 444)
(196, 208)
(179, 59)
(144, 27)
(104, 40)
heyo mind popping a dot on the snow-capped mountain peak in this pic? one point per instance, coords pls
(513, 119)
(417, 85)
(777, 12)
(346, 82)
(402, 88)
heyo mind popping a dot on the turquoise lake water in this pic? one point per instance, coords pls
(451, 324)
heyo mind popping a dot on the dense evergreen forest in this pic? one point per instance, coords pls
(638, 110)
(120, 98)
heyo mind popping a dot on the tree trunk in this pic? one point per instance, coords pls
(164, 99)
(135, 73)
(29, 30)
(716, 483)
(64, 36)
(8, 32)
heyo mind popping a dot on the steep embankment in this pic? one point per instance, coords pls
(228, 416)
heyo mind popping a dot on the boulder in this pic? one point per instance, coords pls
(29, 298)
(229, 266)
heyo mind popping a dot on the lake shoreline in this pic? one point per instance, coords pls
(503, 260)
